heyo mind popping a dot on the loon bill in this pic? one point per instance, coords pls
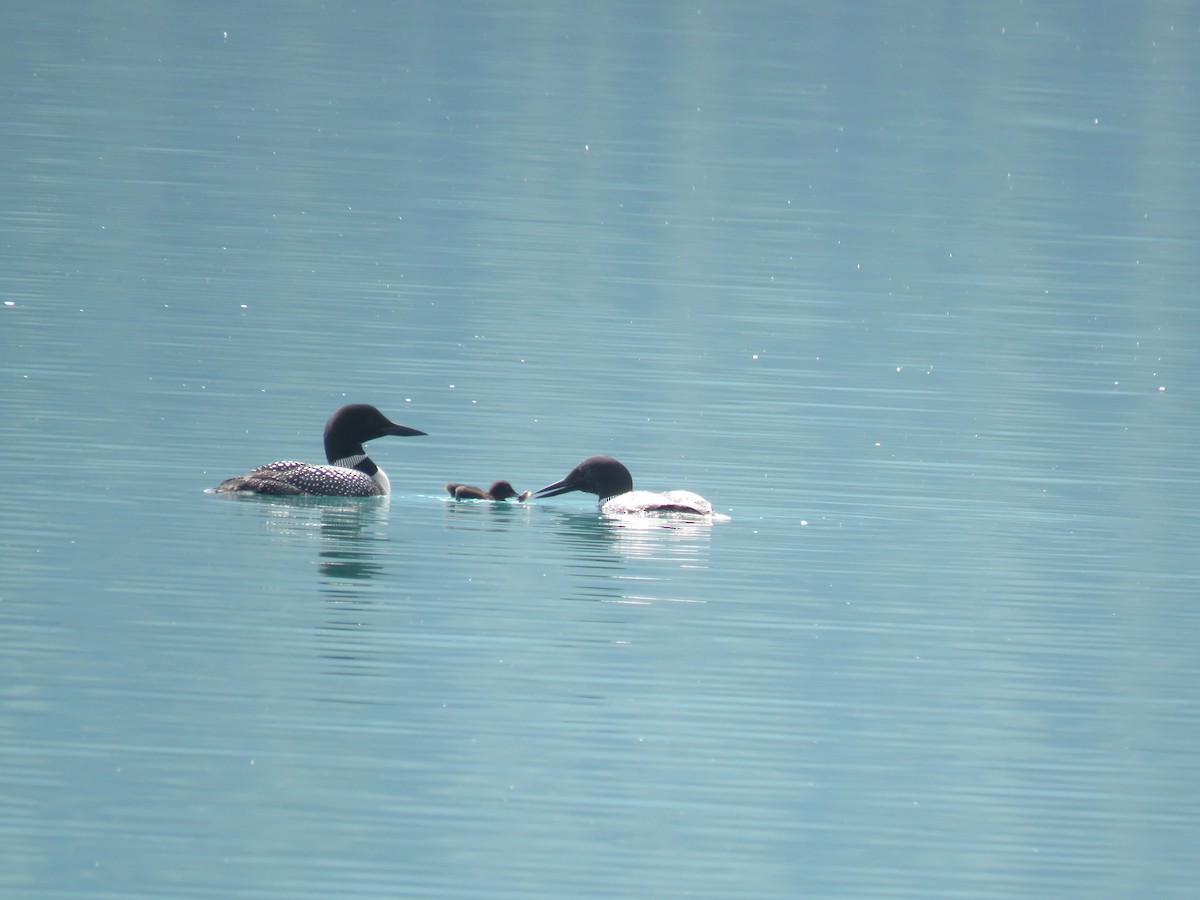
(350, 473)
(609, 480)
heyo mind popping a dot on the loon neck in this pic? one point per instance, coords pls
(363, 463)
(359, 461)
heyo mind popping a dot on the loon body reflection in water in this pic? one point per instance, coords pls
(609, 480)
(350, 473)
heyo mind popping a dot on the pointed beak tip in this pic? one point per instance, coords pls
(553, 490)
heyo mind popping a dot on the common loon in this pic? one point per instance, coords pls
(611, 482)
(500, 490)
(350, 473)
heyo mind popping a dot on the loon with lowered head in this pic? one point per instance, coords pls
(500, 490)
(350, 473)
(609, 480)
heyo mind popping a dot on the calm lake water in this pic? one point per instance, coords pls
(908, 291)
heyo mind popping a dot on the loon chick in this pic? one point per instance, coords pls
(500, 490)
(611, 482)
(350, 473)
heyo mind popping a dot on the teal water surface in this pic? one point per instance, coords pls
(905, 291)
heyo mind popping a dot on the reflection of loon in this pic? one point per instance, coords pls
(612, 483)
(500, 490)
(350, 473)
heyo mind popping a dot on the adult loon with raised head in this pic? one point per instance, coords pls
(500, 490)
(350, 473)
(611, 482)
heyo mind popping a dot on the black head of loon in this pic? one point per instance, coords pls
(355, 424)
(600, 475)
(500, 490)
(350, 473)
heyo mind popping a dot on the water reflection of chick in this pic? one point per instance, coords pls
(500, 490)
